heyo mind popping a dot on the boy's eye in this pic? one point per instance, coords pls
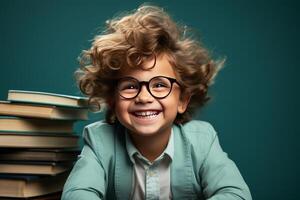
(128, 86)
(159, 85)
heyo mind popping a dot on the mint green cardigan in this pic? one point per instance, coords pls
(199, 170)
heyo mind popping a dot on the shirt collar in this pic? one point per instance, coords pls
(132, 151)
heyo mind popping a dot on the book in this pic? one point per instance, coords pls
(47, 98)
(36, 140)
(34, 167)
(39, 154)
(51, 196)
(35, 125)
(32, 187)
(42, 111)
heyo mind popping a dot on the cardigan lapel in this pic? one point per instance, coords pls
(123, 167)
(181, 167)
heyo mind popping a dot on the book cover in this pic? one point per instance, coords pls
(37, 140)
(32, 187)
(47, 98)
(42, 111)
(7, 154)
(34, 167)
(14, 124)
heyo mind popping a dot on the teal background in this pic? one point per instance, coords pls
(255, 97)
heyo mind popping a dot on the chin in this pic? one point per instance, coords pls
(148, 131)
(144, 131)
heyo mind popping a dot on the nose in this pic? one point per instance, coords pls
(144, 96)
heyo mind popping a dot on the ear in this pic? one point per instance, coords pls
(183, 103)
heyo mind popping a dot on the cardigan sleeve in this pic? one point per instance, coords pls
(87, 178)
(221, 179)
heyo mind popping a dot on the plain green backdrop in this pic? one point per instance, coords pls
(255, 97)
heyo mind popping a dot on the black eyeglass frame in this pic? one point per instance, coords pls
(147, 83)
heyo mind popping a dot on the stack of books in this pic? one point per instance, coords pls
(37, 144)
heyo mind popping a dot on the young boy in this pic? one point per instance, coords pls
(152, 78)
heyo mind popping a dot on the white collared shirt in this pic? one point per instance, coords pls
(151, 180)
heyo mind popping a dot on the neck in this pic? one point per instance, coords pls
(151, 146)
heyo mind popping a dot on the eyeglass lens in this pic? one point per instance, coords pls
(159, 87)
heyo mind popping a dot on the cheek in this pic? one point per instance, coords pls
(171, 104)
(121, 108)
(118, 106)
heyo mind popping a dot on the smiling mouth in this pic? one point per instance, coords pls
(146, 114)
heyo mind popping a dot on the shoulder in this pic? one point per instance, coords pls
(200, 134)
(99, 127)
(100, 136)
(194, 125)
(198, 128)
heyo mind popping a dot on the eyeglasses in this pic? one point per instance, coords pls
(159, 87)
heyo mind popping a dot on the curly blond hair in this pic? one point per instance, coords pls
(131, 39)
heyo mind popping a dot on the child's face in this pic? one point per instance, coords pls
(144, 114)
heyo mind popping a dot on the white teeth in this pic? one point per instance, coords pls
(146, 113)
